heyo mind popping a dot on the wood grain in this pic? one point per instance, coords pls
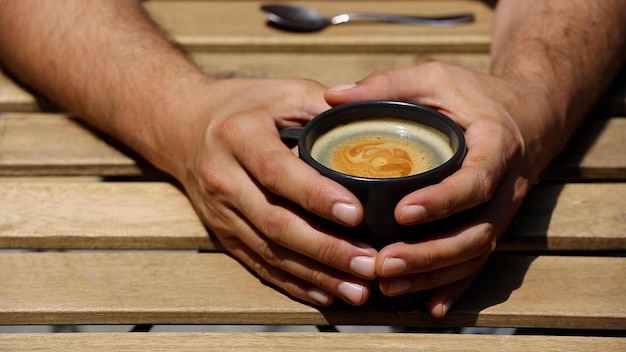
(111, 248)
(598, 151)
(328, 68)
(212, 288)
(304, 342)
(93, 215)
(54, 144)
(157, 215)
(570, 217)
(241, 27)
(49, 144)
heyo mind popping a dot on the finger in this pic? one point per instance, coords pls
(213, 203)
(473, 240)
(260, 151)
(304, 103)
(265, 257)
(473, 184)
(304, 278)
(442, 299)
(287, 228)
(378, 85)
(432, 279)
(276, 220)
(418, 84)
(281, 279)
(280, 266)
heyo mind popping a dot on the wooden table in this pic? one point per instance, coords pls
(91, 234)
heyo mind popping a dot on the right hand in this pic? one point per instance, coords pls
(238, 173)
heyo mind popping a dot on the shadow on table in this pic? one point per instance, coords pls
(504, 272)
(501, 276)
(528, 230)
(568, 165)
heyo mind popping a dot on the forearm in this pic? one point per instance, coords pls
(560, 55)
(103, 60)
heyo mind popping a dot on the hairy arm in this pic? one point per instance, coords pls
(110, 64)
(105, 61)
(551, 60)
(560, 55)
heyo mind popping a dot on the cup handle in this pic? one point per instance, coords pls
(290, 136)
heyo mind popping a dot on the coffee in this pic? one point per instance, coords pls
(382, 147)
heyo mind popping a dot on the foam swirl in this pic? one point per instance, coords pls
(377, 158)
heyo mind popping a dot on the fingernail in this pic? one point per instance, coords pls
(442, 309)
(393, 266)
(339, 88)
(364, 266)
(351, 291)
(398, 286)
(318, 296)
(412, 213)
(345, 213)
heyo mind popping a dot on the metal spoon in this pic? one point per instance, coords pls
(302, 19)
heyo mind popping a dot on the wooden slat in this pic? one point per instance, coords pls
(47, 144)
(328, 68)
(582, 217)
(233, 29)
(13, 97)
(598, 151)
(212, 288)
(241, 26)
(154, 215)
(303, 342)
(157, 215)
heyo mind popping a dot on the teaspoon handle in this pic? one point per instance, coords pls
(426, 20)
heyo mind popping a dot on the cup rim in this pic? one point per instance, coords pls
(449, 165)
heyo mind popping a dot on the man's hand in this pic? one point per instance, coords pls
(238, 173)
(488, 188)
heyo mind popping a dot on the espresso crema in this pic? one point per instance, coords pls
(382, 148)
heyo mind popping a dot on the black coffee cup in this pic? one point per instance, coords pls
(380, 195)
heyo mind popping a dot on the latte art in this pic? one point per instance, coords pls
(380, 158)
(382, 148)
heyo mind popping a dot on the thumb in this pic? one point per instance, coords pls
(420, 84)
(402, 84)
(377, 86)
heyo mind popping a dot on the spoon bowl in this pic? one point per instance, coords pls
(303, 19)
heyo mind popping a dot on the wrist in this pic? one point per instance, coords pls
(540, 112)
(175, 122)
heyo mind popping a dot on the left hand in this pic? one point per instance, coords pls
(489, 187)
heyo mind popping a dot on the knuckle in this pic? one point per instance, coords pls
(330, 253)
(481, 241)
(229, 131)
(446, 200)
(270, 253)
(312, 195)
(214, 182)
(485, 241)
(427, 261)
(276, 224)
(382, 77)
(271, 169)
(437, 68)
(447, 204)
(262, 271)
(485, 185)
(317, 278)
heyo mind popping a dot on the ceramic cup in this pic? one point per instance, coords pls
(380, 151)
